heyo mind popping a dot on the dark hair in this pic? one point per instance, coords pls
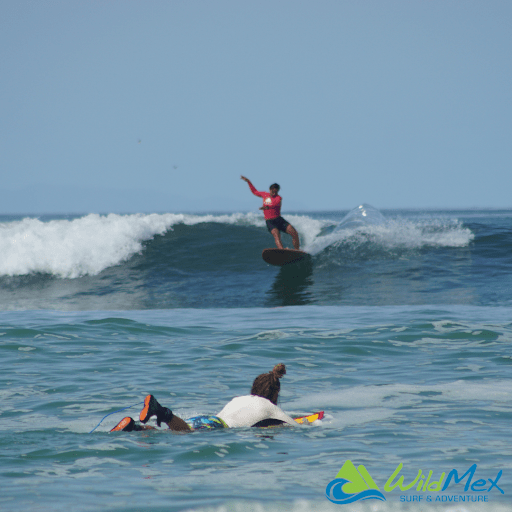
(275, 185)
(267, 385)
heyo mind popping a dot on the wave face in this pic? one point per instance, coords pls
(185, 260)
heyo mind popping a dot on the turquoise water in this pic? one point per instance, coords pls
(420, 385)
(420, 374)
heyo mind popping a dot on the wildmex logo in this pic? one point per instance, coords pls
(351, 484)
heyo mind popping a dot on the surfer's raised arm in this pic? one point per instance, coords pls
(252, 187)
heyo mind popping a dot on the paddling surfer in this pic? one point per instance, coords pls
(272, 212)
(259, 409)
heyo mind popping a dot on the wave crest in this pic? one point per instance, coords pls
(365, 230)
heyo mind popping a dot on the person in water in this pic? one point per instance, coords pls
(259, 409)
(272, 212)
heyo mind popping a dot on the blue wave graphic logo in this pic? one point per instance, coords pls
(358, 483)
(334, 492)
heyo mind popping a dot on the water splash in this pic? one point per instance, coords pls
(365, 232)
(362, 216)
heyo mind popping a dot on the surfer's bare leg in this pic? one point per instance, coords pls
(178, 425)
(277, 237)
(295, 236)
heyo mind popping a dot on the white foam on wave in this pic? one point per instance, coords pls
(90, 244)
(308, 229)
(401, 233)
(72, 248)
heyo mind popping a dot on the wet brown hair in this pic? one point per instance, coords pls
(267, 385)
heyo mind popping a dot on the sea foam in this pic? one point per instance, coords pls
(86, 245)
(90, 244)
(73, 248)
(365, 226)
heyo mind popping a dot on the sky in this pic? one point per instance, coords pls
(130, 106)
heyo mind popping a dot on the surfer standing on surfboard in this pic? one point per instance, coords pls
(272, 212)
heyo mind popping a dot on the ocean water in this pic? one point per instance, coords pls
(400, 329)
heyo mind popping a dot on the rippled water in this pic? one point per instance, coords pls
(400, 330)
(429, 387)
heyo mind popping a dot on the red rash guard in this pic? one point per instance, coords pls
(273, 203)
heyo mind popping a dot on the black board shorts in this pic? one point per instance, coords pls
(278, 223)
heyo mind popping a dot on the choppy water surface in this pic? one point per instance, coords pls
(167, 261)
(400, 331)
(413, 385)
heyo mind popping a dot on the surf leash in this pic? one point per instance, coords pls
(120, 410)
